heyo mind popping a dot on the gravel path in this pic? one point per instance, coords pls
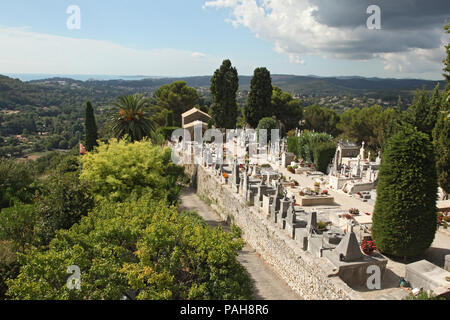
(267, 285)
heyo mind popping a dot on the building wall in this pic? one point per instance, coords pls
(311, 277)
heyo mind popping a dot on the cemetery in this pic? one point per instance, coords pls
(313, 228)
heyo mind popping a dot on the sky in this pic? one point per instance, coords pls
(193, 37)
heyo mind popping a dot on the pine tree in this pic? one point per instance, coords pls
(224, 85)
(441, 135)
(169, 119)
(423, 110)
(404, 220)
(447, 60)
(259, 98)
(90, 128)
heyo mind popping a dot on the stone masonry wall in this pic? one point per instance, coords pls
(311, 277)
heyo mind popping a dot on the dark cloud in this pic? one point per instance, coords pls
(395, 14)
(411, 38)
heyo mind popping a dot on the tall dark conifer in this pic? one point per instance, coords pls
(404, 220)
(224, 85)
(90, 128)
(259, 99)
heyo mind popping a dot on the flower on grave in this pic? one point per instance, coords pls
(353, 211)
(225, 175)
(324, 191)
(347, 216)
(368, 246)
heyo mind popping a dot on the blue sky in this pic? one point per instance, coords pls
(179, 38)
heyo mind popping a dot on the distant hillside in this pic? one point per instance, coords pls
(56, 91)
(301, 85)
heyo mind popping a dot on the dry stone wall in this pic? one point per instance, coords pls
(311, 277)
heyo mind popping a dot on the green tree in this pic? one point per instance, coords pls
(15, 182)
(130, 119)
(140, 245)
(18, 225)
(369, 124)
(286, 109)
(267, 124)
(404, 220)
(259, 97)
(119, 169)
(423, 111)
(447, 60)
(182, 259)
(61, 204)
(90, 128)
(321, 119)
(9, 266)
(224, 85)
(177, 97)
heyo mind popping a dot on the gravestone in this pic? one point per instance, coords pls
(286, 159)
(348, 249)
(259, 196)
(312, 222)
(236, 179)
(424, 274)
(284, 206)
(291, 220)
(275, 207)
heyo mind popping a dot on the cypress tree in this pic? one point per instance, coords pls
(259, 99)
(224, 85)
(404, 220)
(90, 128)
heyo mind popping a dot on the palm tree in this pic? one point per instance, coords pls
(130, 118)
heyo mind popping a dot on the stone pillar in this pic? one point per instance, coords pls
(447, 262)
(284, 206)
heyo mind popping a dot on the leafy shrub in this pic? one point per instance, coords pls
(18, 225)
(9, 266)
(61, 204)
(15, 180)
(140, 245)
(119, 169)
(323, 154)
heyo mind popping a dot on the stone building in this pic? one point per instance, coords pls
(195, 118)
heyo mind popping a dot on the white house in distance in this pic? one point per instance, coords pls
(194, 117)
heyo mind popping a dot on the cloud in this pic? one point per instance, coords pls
(24, 51)
(412, 30)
